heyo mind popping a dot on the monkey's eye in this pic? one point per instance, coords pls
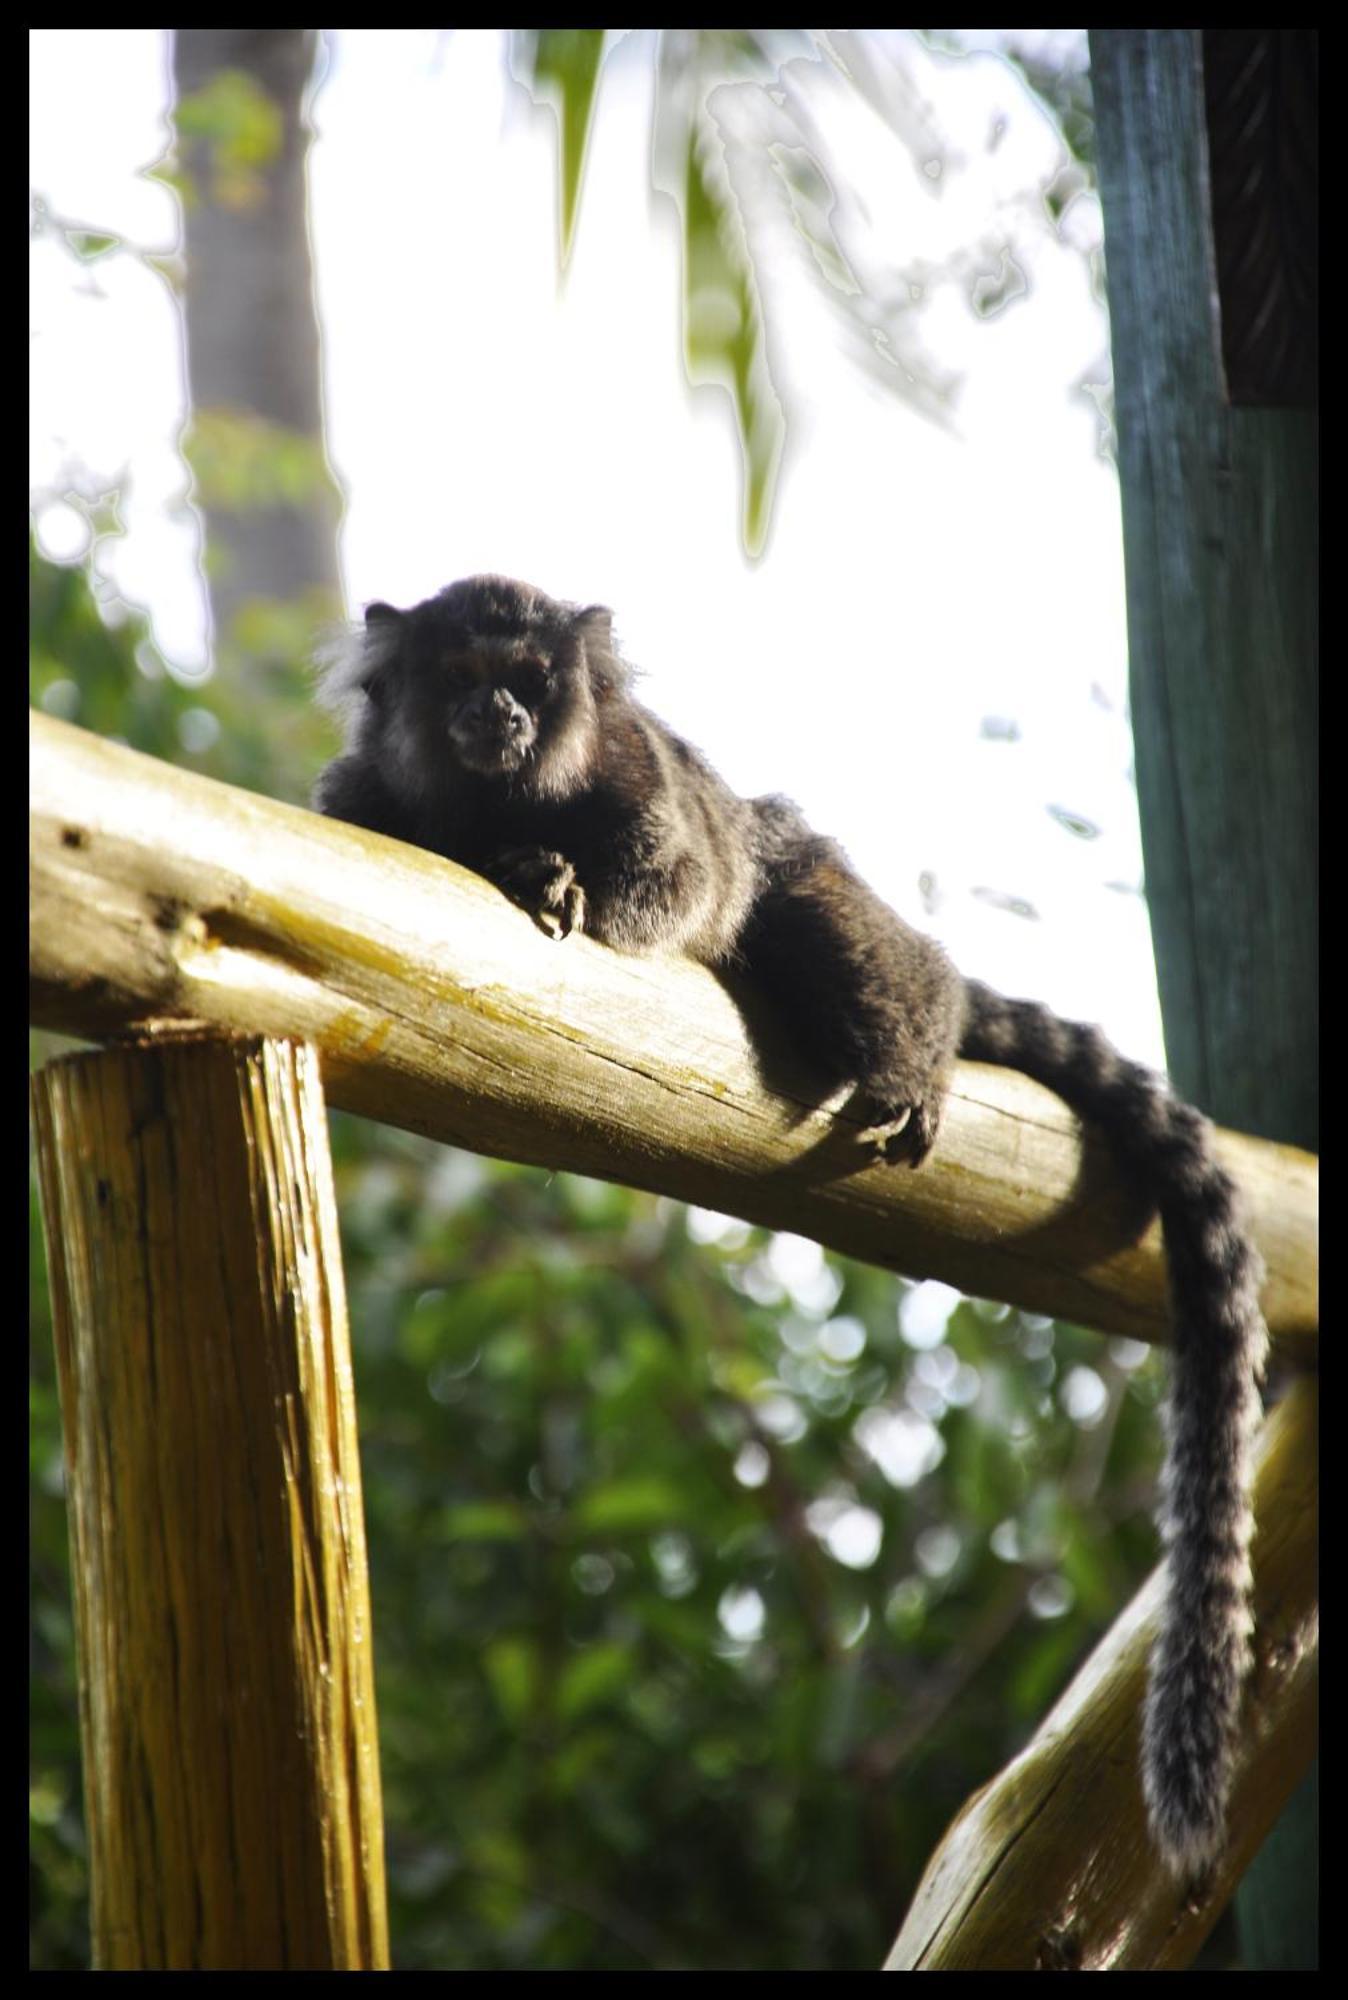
(530, 679)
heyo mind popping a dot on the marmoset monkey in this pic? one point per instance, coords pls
(496, 726)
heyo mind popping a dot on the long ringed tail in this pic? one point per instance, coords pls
(1202, 1653)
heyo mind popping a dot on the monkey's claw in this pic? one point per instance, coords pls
(544, 884)
(905, 1137)
(566, 916)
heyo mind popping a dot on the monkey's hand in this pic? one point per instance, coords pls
(545, 885)
(904, 1134)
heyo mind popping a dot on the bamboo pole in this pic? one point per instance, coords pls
(218, 1545)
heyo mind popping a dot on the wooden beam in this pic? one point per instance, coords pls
(159, 896)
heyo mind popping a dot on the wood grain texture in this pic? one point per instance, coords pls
(1261, 89)
(1220, 524)
(159, 895)
(217, 1537)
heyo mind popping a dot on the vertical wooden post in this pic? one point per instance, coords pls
(1221, 558)
(1208, 146)
(218, 1544)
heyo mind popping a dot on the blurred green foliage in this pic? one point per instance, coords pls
(240, 132)
(724, 338)
(670, 1673)
(728, 301)
(561, 66)
(240, 460)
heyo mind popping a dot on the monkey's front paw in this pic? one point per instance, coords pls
(545, 885)
(568, 916)
(905, 1134)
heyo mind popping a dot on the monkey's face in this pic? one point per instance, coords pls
(479, 707)
(506, 711)
(494, 709)
(489, 678)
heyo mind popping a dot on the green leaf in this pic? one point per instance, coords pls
(511, 1667)
(642, 1502)
(88, 244)
(483, 1521)
(723, 326)
(591, 1677)
(562, 66)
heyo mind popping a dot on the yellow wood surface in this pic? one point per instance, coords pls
(438, 1006)
(218, 1543)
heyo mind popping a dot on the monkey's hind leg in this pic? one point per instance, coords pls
(866, 999)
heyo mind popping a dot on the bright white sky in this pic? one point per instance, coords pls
(481, 416)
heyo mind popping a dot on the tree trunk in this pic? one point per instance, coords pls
(256, 439)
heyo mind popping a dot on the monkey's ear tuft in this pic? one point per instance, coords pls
(351, 657)
(596, 621)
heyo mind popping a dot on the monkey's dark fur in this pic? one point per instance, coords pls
(496, 726)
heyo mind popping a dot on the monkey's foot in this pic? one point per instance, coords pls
(905, 1137)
